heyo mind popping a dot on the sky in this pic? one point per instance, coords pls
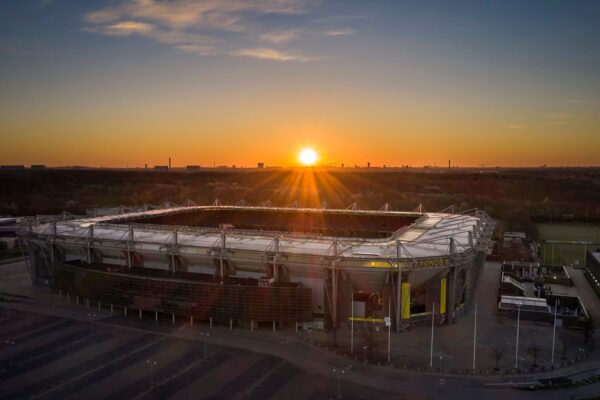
(134, 82)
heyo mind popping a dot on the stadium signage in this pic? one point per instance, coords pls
(434, 262)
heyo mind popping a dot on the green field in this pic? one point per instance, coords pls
(567, 254)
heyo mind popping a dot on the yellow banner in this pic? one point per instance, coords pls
(405, 307)
(443, 285)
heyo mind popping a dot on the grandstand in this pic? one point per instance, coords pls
(244, 265)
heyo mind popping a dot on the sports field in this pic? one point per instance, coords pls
(568, 253)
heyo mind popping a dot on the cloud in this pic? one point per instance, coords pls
(270, 54)
(340, 32)
(218, 14)
(203, 26)
(280, 36)
(127, 28)
(208, 26)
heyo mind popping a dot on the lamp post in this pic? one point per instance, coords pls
(365, 355)
(352, 324)
(152, 365)
(338, 372)
(474, 336)
(204, 336)
(10, 344)
(92, 316)
(431, 344)
(517, 340)
(554, 329)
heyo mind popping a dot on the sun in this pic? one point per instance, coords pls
(308, 157)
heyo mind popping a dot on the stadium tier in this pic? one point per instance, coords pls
(247, 264)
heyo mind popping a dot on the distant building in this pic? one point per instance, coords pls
(12, 167)
(192, 167)
(38, 166)
(161, 167)
(369, 164)
(260, 165)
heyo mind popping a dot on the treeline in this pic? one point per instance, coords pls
(517, 197)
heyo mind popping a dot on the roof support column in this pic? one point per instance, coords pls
(174, 250)
(334, 284)
(90, 258)
(275, 257)
(129, 242)
(452, 251)
(52, 238)
(398, 286)
(222, 254)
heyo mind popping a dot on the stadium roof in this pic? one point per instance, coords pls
(428, 236)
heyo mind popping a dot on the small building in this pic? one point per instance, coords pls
(161, 167)
(38, 166)
(260, 165)
(191, 168)
(12, 167)
(535, 292)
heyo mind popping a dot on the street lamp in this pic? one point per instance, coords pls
(517, 339)
(92, 316)
(10, 343)
(152, 365)
(204, 336)
(338, 372)
(365, 355)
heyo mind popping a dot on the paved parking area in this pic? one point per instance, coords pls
(57, 354)
(51, 357)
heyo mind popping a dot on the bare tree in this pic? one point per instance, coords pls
(498, 354)
(534, 351)
(565, 346)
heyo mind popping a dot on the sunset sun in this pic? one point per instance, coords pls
(308, 157)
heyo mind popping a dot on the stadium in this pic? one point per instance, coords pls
(245, 266)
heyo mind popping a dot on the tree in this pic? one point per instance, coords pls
(498, 354)
(534, 351)
(565, 346)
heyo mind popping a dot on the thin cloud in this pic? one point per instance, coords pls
(340, 32)
(270, 54)
(217, 14)
(278, 37)
(202, 27)
(127, 28)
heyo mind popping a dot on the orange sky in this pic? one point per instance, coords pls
(119, 83)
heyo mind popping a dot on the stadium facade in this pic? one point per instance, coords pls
(245, 265)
